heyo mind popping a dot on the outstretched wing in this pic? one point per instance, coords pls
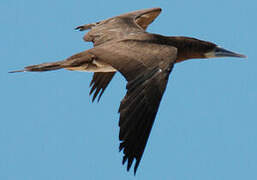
(120, 26)
(137, 113)
(146, 67)
(112, 29)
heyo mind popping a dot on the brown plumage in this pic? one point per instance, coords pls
(144, 59)
(113, 29)
(99, 83)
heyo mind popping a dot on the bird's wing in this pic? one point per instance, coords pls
(99, 83)
(146, 66)
(112, 29)
(120, 26)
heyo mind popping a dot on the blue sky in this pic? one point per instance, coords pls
(206, 127)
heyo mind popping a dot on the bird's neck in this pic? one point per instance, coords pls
(190, 48)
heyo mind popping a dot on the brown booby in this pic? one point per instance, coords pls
(145, 60)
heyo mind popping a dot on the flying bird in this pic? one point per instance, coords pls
(146, 60)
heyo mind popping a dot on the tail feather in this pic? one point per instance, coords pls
(76, 60)
(42, 67)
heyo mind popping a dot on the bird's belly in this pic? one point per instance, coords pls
(95, 66)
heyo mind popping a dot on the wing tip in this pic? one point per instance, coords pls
(85, 27)
(79, 28)
(130, 161)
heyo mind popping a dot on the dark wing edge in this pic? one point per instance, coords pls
(99, 83)
(137, 113)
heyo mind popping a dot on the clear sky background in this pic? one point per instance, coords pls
(206, 127)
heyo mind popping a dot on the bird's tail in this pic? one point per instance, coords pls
(76, 60)
(42, 67)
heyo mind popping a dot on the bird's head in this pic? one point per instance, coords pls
(191, 48)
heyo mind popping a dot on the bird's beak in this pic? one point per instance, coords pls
(220, 52)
